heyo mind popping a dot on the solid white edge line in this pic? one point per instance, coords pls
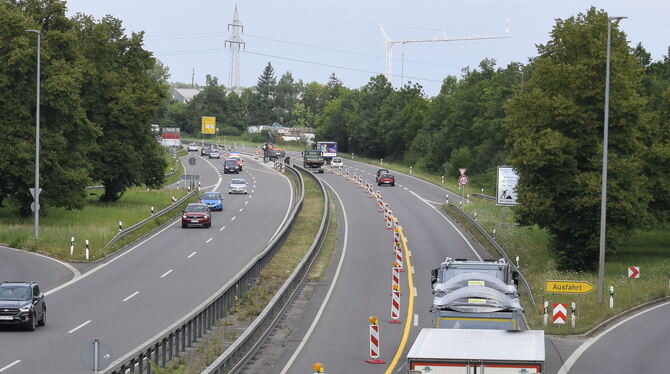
(10, 365)
(330, 289)
(288, 211)
(78, 327)
(131, 296)
(166, 273)
(567, 365)
(451, 223)
(192, 254)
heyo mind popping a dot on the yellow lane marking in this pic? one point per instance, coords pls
(410, 307)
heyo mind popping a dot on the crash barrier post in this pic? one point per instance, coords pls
(395, 305)
(72, 246)
(88, 250)
(374, 342)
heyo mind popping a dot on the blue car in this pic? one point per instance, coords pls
(213, 200)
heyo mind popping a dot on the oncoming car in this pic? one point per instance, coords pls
(386, 178)
(196, 214)
(214, 153)
(213, 200)
(238, 185)
(336, 162)
(22, 303)
(192, 147)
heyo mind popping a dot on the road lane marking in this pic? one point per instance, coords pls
(246, 202)
(208, 240)
(222, 228)
(416, 320)
(409, 253)
(166, 273)
(131, 296)
(406, 189)
(192, 254)
(250, 196)
(10, 365)
(303, 341)
(241, 209)
(412, 269)
(452, 225)
(415, 292)
(252, 191)
(78, 327)
(232, 219)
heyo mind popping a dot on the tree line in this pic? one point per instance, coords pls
(544, 117)
(100, 89)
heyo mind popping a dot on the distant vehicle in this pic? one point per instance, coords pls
(196, 214)
(214, 153)
(386, 179)
(192, 147)
(237, 185)
(328, 150)
(313, 159)
(238, 157)
(231, 166)
(213, 200)
(205, 151)
(22, 303)
(272, 153)
(380, 172)
(336, 162)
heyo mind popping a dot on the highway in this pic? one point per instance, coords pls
(135, 294)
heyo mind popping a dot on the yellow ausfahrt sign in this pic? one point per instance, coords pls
(208, 125)
(568, 286)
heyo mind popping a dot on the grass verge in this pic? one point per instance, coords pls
(272, 278)
(647, 249)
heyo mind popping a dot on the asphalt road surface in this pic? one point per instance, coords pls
(136, 294)
(17, 265)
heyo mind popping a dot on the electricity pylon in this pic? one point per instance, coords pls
(235, 42)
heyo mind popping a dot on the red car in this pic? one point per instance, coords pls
(386, 179)
(196, 214)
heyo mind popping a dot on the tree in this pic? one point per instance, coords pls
(264, 101)
(556, 127)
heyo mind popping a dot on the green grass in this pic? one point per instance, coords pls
(648, 249)
(253, 301)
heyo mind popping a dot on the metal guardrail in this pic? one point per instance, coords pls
(181, 335)
(500, 250)
(234, 358)
(161, 212)
(486, 197)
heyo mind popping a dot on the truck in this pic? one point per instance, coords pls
(272, 153)
(328, 150)
(476, 295)
(313, 159)
(453, 351)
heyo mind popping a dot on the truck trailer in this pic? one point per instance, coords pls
(449, 351)
(328, 150)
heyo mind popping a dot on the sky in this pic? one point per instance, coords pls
(312, 39)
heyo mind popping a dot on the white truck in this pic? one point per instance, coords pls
(454, 351)
(328, 150)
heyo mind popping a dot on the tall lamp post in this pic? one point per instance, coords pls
(36, 192)
(603, 189)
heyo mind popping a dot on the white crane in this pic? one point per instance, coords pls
(389, 44)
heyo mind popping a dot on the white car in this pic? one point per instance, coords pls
(336, 162)
(237, 185)
(192, 147)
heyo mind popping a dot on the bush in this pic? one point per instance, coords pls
(230, 131)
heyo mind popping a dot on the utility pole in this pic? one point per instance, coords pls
(389, 45)
(193, 78)
(37, 190)
(235, 42)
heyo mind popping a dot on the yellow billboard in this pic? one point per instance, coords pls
(208, 125)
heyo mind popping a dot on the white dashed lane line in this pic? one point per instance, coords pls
(166, 273)
(131, 296)
(241, 209)
(232, 219)
(10, 365)
(209, 240)
(192, 254)
(246, 202)
(78, 327)
(223, 228)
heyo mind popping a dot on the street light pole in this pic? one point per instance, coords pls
(37, 140)
(603, 189)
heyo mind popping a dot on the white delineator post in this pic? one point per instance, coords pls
(374, 342)
(573, 315)
(88, 249)
(152, 211)
(545, 315)
(72, 246)
(120, 226)
(611, 297)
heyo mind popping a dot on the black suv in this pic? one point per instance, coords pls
(22, 303)
(231, 166)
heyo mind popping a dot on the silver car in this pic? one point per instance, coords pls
(238, 185)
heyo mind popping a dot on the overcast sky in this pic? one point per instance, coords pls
(303, 36)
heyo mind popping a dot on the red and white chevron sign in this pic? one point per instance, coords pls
(560, 313)
(633, 272)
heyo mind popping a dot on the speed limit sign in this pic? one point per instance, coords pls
(463, 180)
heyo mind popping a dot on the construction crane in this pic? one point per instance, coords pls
(389, 44)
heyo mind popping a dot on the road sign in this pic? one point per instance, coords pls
(191, 161)
(462, 170)
(633, 272)
(104, 355)
(560, 313)
(32, 206)
(208, 125)
(463, 180)
(506, 186)
(32, 192)
(568, 286)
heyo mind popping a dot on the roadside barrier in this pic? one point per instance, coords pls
(374, 342)
(395, 276)
(395, 306)
(389, 220)
(318, 368)
(398, 258)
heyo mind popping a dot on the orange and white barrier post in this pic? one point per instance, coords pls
(380, 202)
(395, 277)
(318, 368)
(389, 220)
(398, 257)
(374, 342)
(396, 238)
(395, 306)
